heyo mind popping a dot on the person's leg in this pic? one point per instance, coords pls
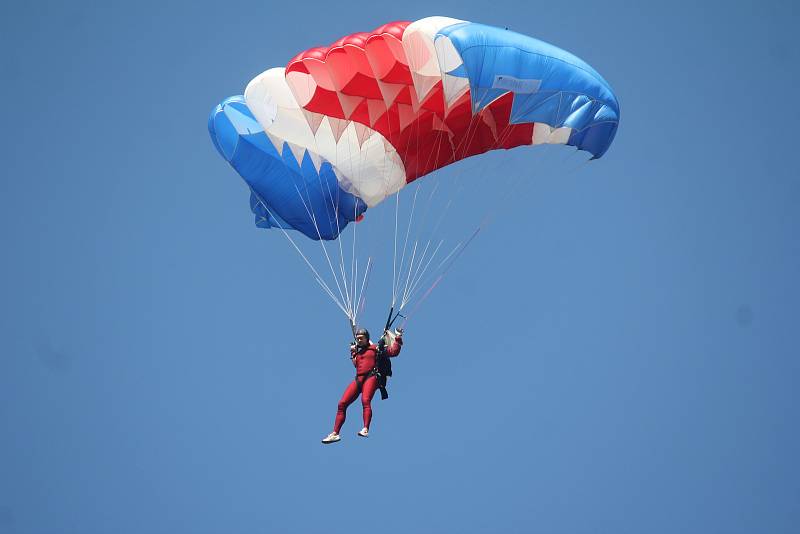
(350, 394)
(367, 392)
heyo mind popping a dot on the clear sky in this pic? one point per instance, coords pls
(615, 353)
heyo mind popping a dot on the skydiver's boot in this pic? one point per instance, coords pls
(333, 437)
(364, 432)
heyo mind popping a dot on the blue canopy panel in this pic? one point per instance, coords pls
(550, 85)
(284, 193)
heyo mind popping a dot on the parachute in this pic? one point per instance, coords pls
(349, 124)
(341, 128)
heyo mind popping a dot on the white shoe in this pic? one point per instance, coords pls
(364, 432)
(333, 437)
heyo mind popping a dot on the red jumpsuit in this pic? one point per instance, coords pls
(364, 360)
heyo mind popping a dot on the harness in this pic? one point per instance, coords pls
(380, 353)
(383, 377)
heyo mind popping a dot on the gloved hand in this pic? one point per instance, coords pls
(398, 332)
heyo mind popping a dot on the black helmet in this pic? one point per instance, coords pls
(362, 332)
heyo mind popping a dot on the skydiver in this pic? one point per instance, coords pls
(364, 356)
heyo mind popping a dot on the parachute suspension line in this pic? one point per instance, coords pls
(353, 260)
(394, 257)
(460, 248)
(410, 266)
(317, 276)
(472, 130)
(348, 291)
(396, 214)
(414, 281)
(341, 253)
(434, 189)
(356, 168)
(421, 225)
(346, 297)
(419, 229)
(423, 266)
(342, 288)
(419, 274)
(408, 231)
(517, 180)
(455, 253)
(344, 275)
(465, 140)
(453, 256)
(397, 274)
(338, 227)
(413, 272)
(359, 297)
(362, 297)
(435, 270)
(335, 207)
(350, 277)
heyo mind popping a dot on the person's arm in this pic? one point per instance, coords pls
(394, 349)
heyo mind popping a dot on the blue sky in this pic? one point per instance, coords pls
(616, 352)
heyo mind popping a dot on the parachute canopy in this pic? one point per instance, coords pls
(342, 127)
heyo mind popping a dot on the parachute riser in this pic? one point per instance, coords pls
(389, 320)
(392, 318)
